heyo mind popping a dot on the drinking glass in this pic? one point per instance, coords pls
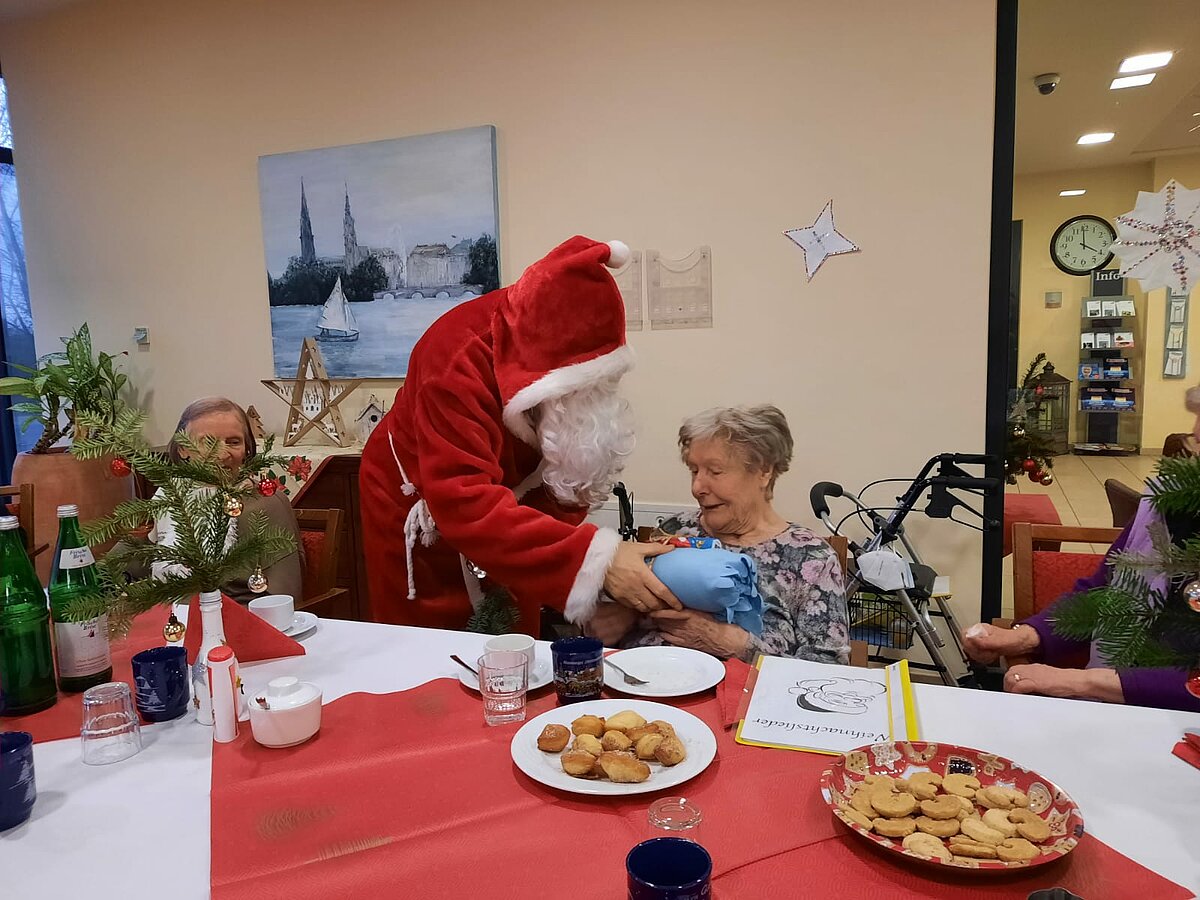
(503, 682)
(18, 790)
(668, 868)
(578, 669)
(162, 683)
(110, 730)
(675, 817)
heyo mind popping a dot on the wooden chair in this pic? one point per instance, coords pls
(1178, 445)
(1123, 501)
(859, 652)
(1040, 575)
(320, 532)
(18, 500)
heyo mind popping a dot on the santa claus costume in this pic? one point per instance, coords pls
(502, 435)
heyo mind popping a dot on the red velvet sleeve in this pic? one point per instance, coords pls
(526, 549)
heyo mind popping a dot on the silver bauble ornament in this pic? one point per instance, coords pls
(257, 581)
(1191, 593)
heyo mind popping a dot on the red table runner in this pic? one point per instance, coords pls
(413, 789)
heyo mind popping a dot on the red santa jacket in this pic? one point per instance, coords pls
(459, 431)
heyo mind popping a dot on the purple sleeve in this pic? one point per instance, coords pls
(1054, 647)
(1161, 688)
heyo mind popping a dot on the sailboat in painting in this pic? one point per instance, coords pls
(337, 322)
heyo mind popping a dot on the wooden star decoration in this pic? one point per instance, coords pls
(313, 398)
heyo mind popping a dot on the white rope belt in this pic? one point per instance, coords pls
(418, 526)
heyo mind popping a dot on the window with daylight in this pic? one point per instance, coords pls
(16, 320)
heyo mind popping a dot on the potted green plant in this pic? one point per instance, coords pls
(66, 386)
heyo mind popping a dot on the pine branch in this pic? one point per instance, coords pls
(1031, 372)
(1175, 491)
(496, 613)
(209, 547)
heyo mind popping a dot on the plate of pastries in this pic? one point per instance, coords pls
(952, 806)
(613, 747)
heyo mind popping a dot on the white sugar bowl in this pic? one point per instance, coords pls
(289, 713)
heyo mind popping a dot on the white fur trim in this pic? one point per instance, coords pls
(589, 580)
(560, 382)
(618, 254)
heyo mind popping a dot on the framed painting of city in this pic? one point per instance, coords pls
(367, 244)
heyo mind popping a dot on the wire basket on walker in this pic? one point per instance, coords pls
(891, 595)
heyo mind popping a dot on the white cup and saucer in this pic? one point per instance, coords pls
(279, 610)
(541, 673)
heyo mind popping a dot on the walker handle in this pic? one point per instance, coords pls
(970, 459)
(820, 493)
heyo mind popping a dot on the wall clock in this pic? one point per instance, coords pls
(1080, 244)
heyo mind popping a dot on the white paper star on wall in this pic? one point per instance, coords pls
(820, 241)
(1158, 241)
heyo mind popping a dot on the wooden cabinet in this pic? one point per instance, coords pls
(334, 485)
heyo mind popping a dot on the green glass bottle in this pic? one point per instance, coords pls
(26, 654)
(84, 656)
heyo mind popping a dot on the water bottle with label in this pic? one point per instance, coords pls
(26, 657)
(84, 657)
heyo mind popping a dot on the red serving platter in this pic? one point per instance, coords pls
(904, 758)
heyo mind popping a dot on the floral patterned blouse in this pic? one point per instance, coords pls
(804, 597)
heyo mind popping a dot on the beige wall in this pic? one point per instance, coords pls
(666, 124)
(1111, 191)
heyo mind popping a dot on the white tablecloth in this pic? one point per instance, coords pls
(140, 828)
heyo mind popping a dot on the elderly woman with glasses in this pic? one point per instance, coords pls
(735, 455)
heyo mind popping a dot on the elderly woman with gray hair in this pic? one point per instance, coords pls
(735, 456)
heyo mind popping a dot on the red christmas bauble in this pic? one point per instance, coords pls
(1193, 682)
(268, 486)
(1035, 476)
(1038, 391)
(1030, 465)
(120, 467)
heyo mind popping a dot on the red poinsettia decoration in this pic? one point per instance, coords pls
(299, 468)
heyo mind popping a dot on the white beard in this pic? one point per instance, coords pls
(585, 438)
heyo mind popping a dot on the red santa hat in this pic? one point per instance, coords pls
(559, 328)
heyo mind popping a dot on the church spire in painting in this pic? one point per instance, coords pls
(308, 248)
(353, 254)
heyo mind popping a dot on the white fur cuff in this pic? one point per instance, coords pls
(585, 592)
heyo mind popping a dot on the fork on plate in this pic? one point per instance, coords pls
(629, 679)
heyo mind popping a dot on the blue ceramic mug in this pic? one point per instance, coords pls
(578, 669)
(161, 683)
(669, 869)
(18, 790)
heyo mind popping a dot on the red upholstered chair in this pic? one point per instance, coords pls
(1036, 508)
(1042, 575)
(320, 533)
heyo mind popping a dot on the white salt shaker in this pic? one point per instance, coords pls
(222, 685)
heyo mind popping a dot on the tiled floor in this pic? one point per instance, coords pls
(1078, 488)
(1078, 494)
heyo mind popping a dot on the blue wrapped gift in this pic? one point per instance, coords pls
(720, 582)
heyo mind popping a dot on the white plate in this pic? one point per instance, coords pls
(671, 671)
(697, 738)
(542, 674)
(302, 624)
